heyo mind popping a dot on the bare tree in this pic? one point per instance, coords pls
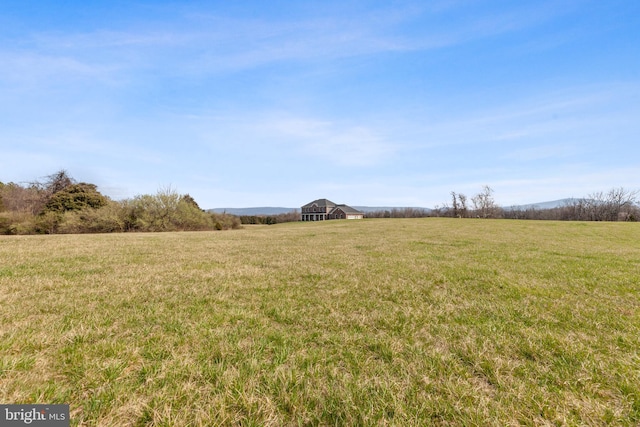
(57, 182)
(37, 194)
(462, 201)
(620, 202)
(454, 204)
(459, 205)
(614, 205)
(439, 211)
(484, 204)
(17, 198)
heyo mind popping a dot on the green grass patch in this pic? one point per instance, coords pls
(390, 321)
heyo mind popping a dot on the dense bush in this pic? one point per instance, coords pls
(61, 205)
(169, 211)
(107, 219)
(226, 222)
(75, 197)
(12, 222)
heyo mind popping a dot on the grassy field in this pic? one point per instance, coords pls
(374, 322)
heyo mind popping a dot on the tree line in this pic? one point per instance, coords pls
(617, 204)
(60, 204)
(292, 216)
(399, 213)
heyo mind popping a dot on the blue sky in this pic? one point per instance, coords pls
(378, 103)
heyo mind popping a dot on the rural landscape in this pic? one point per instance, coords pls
(58, 203)
(428, 321)
(319, 213)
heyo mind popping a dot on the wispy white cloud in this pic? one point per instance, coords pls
(338, 143)
(564, 116)
(201, 43)
(540, 152)
(355, 146)
(103, 38)
(31, 68)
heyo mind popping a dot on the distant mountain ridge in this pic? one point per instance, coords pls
(271, 210)
(544, 205)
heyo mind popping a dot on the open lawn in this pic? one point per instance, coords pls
(374, 322)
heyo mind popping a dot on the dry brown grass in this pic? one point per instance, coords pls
(384, 322)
